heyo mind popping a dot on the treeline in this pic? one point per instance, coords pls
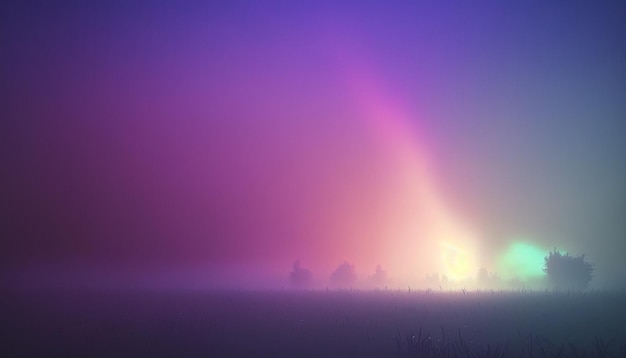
(563, 272)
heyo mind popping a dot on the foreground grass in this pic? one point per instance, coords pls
(313, 324)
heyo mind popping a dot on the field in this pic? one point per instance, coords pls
(312, 324)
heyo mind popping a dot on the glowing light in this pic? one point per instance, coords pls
(522, 260)
(459, 264)
(420, 221)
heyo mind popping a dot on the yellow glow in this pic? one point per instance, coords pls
(424, 235)
(458, 263)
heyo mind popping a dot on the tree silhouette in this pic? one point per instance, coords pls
(343, 275)
(488, 279)
(379, 278)
(300, 277)
(567, 272)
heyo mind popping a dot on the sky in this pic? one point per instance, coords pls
(226, 140)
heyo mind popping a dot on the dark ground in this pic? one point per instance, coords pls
(91, 323)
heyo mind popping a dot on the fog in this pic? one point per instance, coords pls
(213, 145)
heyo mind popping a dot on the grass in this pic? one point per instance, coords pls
(313, 324)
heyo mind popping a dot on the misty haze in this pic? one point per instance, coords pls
(338, 179)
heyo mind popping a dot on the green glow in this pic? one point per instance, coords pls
(522, 260)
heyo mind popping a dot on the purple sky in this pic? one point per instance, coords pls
(238, 138)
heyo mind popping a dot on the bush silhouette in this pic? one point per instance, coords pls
(488, 279)
(567, 272)
(379, 278)
(300, 277)
(343, 275)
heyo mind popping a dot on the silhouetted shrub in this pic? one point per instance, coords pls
(436, 281)
(488, 279)
(343, 275)
(379, 278)
(567, 272)
(300, 277)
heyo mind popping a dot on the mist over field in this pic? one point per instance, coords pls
(218, 143)
(191, 323)
(312, 179)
